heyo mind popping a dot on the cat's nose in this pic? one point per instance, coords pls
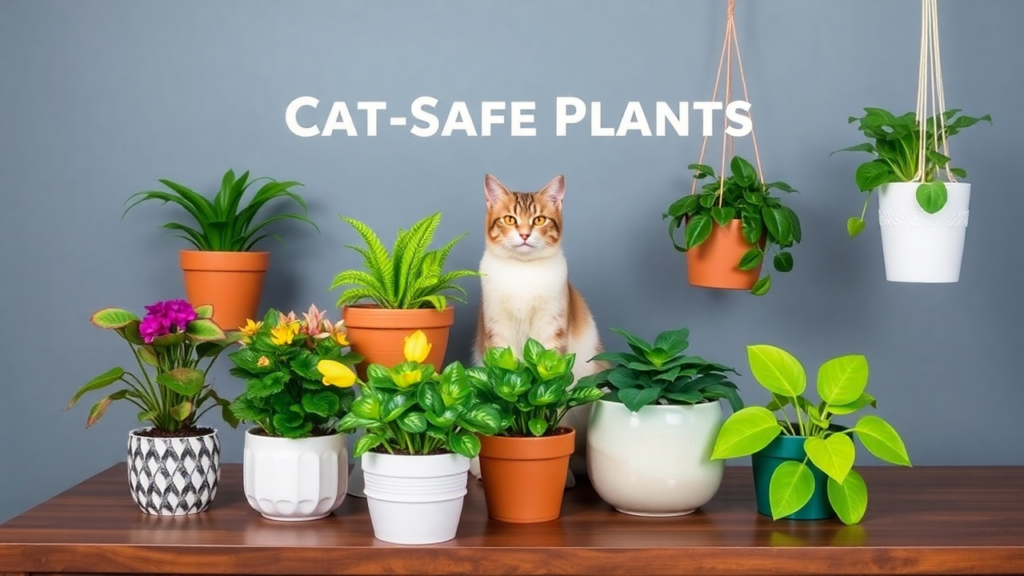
(524, 236)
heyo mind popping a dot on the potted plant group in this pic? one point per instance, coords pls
(223, 269)
(174, 464)
(421, 429)
(295, 465)
(525, 462)
(731, 225)
(650, 437)
(407, 290)
(803, 466)
(923, 219)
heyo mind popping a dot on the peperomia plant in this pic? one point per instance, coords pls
(895, 143)
(841, 384)
(766, 223)
(532, 394)
(662, 373)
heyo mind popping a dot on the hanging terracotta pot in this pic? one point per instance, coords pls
(715, 263)
(230, 281)
(524, 477)
(379, 333)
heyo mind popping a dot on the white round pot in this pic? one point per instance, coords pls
(173, 476)
(655, 462)
(918, 246)
(415, 499)
(294, 479)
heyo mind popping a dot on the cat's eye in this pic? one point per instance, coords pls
(510, 220)
(539, 220)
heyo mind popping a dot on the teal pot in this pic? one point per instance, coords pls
(765, 462)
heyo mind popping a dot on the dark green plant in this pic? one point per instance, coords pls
(767, 224)
(662, 373)
(895, 143)
(531, 394)
(227, 223)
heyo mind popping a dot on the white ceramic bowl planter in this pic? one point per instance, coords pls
(415, 499)
(173, 476)
(655, 462)
(918, 246)
(295, 479)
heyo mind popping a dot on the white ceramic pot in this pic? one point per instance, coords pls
(655, 462)
(415, 499)
(294, 479)
(173, 476)
(918, 246)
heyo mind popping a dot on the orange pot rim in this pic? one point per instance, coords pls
(217, 261)
(373, 316)
(529, 447)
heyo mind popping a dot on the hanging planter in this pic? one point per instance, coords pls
(734, 222)
(922, 208)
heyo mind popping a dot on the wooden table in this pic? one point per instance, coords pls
(949, 520)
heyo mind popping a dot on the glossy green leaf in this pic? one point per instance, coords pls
(751, 259)
(854, 226)
(723, 215)
(842, 380)
(745, 432)
(863, 400)
(203, 330)
(882, 440)
(777, 370)
(97, 383)
(783, 261)
(931, 196)
(833, 455)
(112, 318)
(698, 229)
(762, 286)
(538, 426)
(850, 498)
(790, 489)
(184, 381)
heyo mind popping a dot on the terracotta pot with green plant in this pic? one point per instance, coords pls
(524, 465)
(223, 270)
(399, 292)
(803, 466)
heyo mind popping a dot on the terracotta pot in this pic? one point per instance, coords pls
(524, 477)
(379, 333)
(715, 263)
(231, 281)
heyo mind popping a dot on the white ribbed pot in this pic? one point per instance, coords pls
(918, 246)
(173, 476)
(294, 479)
(415, 499)
(655, 462)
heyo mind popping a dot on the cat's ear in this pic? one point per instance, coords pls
(554, 191)
(494, 190)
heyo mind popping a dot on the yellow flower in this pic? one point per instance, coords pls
(408, 378)
(249, 330)
(336, 374)
(263, 362)
(340, 338)
(285, 333)
(416, 347)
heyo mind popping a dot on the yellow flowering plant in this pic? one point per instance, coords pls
(280, 360)
(412, 409)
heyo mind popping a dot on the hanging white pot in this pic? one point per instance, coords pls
(415, 499)
(655, 462)
(294, 479)
(173, 476)
(918, 246)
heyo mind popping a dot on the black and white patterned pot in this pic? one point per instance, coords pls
(173, 476)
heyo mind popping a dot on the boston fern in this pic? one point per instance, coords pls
(225, 224)
(409, 276)
(765, 222)
(895, 144)
(661, 373)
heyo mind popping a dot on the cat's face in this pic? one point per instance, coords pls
(524, 225)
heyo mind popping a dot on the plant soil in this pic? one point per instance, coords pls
(314, 434)
(556, 432)
(407, 453)
(187, 433)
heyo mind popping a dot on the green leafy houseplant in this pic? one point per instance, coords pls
(285, 394)
(662, 373)
(767, 224)
(841, 384)
(411, 409)
(531, 394)
(894, 142)
(227, 223)
(168, 345)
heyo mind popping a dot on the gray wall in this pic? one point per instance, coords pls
(98, 99)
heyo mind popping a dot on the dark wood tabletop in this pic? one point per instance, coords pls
(929, 520)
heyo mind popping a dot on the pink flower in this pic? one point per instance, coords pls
(166, 317)
(314, 321)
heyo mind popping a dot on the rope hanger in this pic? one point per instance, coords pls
(729, 45)
(930, 68)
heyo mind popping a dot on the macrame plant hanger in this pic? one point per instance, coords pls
(929, 82)
(729, 46)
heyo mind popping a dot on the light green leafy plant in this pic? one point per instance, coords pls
(409, 276)
(841, 384)
(895, 143)
(225, 224)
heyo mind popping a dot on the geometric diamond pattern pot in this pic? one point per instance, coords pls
(173, 476)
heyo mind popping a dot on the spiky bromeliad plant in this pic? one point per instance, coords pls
(225, 224)
(409, 276)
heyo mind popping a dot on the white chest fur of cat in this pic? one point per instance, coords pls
(525, 289)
